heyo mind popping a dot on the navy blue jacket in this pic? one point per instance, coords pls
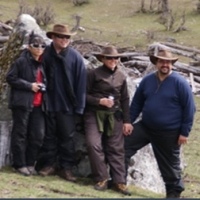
(166, 105)
(66, 76)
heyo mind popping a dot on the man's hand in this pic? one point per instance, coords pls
(182, 140)
(127, 128)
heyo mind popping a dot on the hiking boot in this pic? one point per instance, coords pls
(173, 194)
(122, 188)
(32, 170)
(101, 185)
(24, 171)
(67, 175)
(47, 171)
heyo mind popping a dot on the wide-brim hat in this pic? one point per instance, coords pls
(164, 55)
(107, 51)
(61, 30)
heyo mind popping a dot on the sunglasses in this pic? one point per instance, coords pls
(111, 58)
(62, 36)
(38, 46)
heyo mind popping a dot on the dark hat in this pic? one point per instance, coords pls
(61, 30)
(35, 38)
(108, 51)
(164, 55)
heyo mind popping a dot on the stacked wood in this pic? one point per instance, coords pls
(139, 64)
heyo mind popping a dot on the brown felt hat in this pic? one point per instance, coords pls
(164, 55)
(107, 51)
(61, 30)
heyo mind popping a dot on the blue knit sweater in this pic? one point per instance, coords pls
(166, 105)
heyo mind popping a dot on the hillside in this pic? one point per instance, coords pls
(118, 22)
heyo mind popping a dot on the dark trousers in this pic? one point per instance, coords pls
(166, 150)
(27, 136)
(105, 150)
(58, 146)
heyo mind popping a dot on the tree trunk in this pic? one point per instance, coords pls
(142, 6)
(165, 6)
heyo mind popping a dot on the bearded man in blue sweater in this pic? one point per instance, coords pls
(166, 102)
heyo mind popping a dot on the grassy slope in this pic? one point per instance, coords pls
(13, 185)
(108, 21)
(115, 21)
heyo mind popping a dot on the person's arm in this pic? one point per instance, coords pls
(80, 86)
(90, 98)
(124, 101)
(14, 80)
(188, 108)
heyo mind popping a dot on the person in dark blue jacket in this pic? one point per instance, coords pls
(26, 78)
(66, 93)
(166, 102)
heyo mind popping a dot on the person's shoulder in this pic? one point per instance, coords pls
(73, 51)
(180, 80)
(178, 77)
(23, 56)
(94, 71)
(149, 76)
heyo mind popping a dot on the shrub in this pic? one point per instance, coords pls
(43, 15)
(79, 2)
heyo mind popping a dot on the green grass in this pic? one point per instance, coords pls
(13, 185)
(117, 22)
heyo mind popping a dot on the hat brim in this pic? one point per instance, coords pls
(50, 33)
(99, 56)
(154, 59)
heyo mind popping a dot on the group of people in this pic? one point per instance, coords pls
(51, 88)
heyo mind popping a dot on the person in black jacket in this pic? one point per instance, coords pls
(66, 90)
(27, 80)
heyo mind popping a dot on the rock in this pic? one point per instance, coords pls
(5, 155)
(143, 171)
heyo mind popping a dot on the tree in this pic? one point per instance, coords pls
(165, 6)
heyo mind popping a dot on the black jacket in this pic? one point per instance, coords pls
(20, 77)
(73, 78)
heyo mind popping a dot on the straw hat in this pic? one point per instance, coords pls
(164, 55)
(61, 30)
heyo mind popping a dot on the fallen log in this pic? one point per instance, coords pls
(197, 79)
(5, 29)
(186, 68)
(136, 63)
(4, 39)
(181, 47)
(153, 48)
